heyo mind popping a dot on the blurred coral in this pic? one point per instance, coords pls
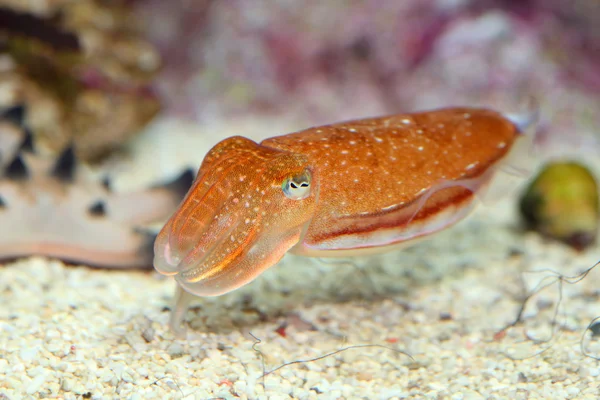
(81, 69)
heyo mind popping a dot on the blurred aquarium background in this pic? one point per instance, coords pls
(103, 70)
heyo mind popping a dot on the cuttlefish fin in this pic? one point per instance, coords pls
(521, 160)
(522, 157)
(484, 189)
(437, 193)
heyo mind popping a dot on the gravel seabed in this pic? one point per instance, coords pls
(72, 332)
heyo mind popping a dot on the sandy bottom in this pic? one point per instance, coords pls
(429, 322)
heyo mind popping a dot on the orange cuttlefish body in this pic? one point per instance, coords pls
(344, 189)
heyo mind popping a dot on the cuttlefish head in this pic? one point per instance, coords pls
(247, 207)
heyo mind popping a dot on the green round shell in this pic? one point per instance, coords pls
(562, 203)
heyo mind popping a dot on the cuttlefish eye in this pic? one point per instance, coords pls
(297, 187)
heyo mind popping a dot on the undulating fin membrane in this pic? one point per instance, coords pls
(64, 168)
(523, 157)
(518, 164)
(527, 119)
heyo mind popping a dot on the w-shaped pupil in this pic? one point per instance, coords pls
(294, 185)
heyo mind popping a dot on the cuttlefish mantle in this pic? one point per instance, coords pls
(344, 189)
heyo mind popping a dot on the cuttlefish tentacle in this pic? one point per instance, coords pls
(179, 231)
(351, 188)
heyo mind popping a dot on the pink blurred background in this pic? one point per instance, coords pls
(318, 62)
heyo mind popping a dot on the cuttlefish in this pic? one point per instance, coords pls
(345, 189)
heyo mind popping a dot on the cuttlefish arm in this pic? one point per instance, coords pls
(239, 196)
(350, 188)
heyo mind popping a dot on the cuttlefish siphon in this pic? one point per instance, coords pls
(344, 189)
